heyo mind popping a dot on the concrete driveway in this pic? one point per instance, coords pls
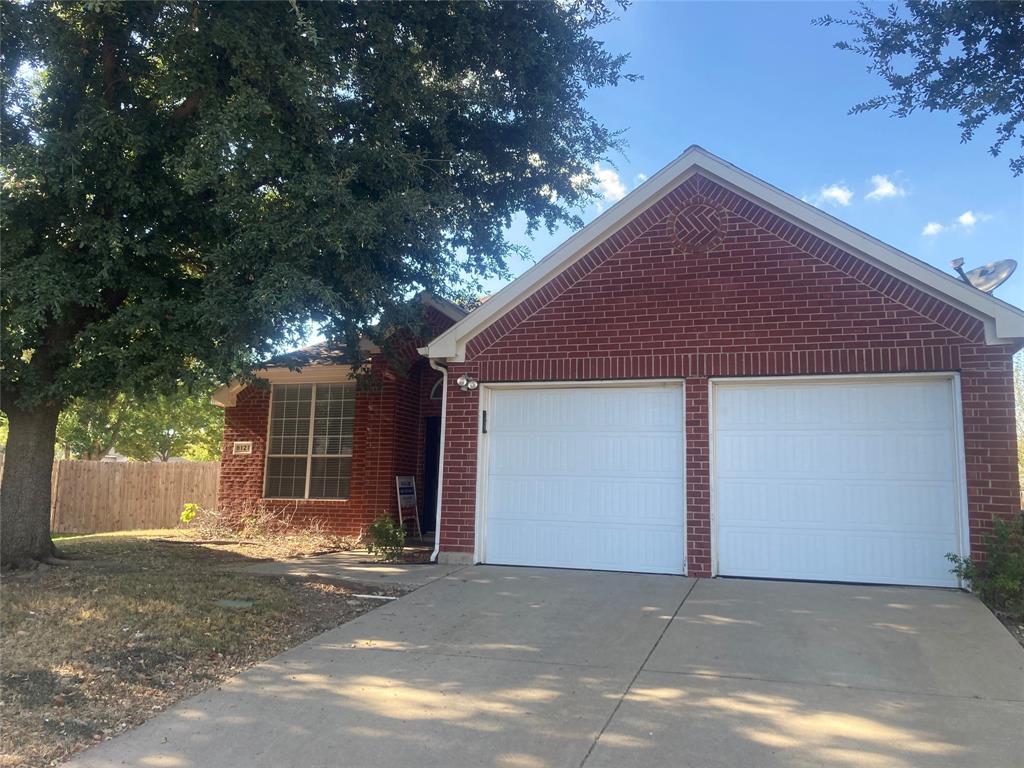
(524, 668)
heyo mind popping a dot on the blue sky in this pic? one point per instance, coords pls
(758, 85)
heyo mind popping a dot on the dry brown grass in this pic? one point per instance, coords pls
(94, 648)
(258, 531)
(261, 532)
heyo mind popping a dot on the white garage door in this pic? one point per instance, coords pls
(842, 481)
(588, 477)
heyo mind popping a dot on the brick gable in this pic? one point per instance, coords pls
(707, 283)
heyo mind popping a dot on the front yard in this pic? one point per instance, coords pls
(135, 624)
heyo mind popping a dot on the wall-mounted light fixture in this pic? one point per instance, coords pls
(467, 383)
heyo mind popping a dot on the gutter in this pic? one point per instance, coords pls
(440, 457)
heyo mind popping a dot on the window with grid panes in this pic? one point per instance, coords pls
(309, 455)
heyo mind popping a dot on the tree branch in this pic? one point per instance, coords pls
(189, 107)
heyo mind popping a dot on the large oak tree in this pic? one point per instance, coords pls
(959, 56)
(185, 184)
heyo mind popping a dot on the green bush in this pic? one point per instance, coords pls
(999, 581)
(188, 514)
(385, 538)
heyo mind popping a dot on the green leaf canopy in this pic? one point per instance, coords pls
(188, 184)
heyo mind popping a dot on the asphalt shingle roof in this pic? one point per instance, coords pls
(324, 353)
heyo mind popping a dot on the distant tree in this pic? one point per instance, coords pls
(181, 424)
(156, 428)
(187, 184)
(957, 56)
(89, 429)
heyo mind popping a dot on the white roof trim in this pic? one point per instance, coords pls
(227, 396)
(1004, 323)
(320, 373)
(449, 309)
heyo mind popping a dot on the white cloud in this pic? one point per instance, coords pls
(608, 183)
(836, 194)
(966, 221)
(883, 187)
(641, 178)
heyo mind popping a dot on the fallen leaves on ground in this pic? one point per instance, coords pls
(132, 626)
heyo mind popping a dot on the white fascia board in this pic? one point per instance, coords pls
(320, 373)
(449, 309)
(227, 395)
(1004, 323)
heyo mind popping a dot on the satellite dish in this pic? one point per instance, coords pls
(988, 277)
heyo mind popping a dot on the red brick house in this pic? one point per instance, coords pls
(341, 472)
(712, 378)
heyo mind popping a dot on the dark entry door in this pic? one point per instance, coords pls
(431, 454)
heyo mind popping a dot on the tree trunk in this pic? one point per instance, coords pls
(25, 489)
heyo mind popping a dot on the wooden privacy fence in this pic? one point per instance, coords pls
(99, 496)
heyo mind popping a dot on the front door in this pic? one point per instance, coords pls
(431, 453)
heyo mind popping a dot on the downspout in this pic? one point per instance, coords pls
(440, 458)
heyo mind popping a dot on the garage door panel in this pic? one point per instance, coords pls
(596, 409)
(593, 454)
(586, 478)
(912, 455)
(757, 503)
(851, 481)
(837, 407)
(765, 554)
(556, 544)
(871, 558)
(926, 507)
(527, 499)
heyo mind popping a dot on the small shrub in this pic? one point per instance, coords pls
(385, 538)
(204, 522)
(999, 580)
(188, 514)
(276, 528)
(260, 521)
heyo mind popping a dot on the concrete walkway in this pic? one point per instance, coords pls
(354, 567)
(527, 668)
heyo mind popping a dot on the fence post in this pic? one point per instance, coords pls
(55, 496)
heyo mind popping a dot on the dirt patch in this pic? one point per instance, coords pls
(1014, 624)
(133, 626)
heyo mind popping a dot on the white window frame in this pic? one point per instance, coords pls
(308, 455)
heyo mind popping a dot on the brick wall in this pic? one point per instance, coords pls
(241, 477)
(706, 283)
(387, 441)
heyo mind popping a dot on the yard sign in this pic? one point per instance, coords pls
(406, 487)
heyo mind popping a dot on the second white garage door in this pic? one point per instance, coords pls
(855, 480)
(585, 477)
